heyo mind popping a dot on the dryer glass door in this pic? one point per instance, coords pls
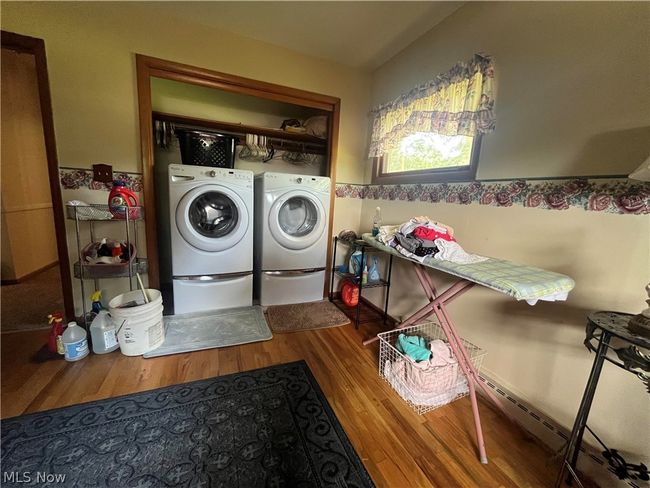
(297, 219)
(298, 216)
(212, 218)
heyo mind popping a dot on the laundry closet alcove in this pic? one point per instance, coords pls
(174, 97)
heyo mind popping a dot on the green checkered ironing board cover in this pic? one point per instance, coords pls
(517, 280)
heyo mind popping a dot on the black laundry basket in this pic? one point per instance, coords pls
(199, 148)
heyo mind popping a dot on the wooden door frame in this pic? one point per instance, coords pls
(36, 47)
(148, 67)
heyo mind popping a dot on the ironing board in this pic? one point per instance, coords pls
(518, 281)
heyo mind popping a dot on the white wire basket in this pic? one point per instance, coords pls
(426, 385)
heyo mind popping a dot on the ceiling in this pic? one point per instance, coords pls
(358, 34)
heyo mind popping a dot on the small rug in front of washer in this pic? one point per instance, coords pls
(207, 330)
(305, 316)
(270, 427)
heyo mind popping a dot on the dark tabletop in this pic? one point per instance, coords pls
(616, 323)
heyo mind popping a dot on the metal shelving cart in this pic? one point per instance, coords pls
(93, 214)
(359, 244)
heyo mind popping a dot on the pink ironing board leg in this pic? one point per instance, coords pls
(484, 387)
(437, 306)
(430, 291)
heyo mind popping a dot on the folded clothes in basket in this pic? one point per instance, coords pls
(428, 399)
(433, 382)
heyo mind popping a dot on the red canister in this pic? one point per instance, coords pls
(120, 199)
(350, 293)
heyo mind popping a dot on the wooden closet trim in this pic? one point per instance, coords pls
(36, 47)
(148, 67)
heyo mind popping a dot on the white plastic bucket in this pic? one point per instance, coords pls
(140, 328)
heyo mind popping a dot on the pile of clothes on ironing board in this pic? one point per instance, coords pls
(422, 238)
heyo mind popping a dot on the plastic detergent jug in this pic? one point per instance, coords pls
(103, 334)
(355, 266)
(373, 271)
(75, 343)
(120, 199)
(376, 222)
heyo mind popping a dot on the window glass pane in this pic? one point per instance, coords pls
(423, 150)
(298, 216)
(213, 214)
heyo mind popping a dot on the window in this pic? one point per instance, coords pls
(433, 131)
(426, 157)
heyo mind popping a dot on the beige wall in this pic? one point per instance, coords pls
(90, 52)
(28, 239)
(572, 99)
(572, 83)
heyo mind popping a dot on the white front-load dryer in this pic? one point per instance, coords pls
(291, 229)
(211, 214)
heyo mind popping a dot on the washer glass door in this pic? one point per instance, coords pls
(213, 214)
(212, 218)
(297, 219)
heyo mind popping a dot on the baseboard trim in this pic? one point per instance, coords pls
(554, 436)
(365, 301)
(377, 309)
(24, 278)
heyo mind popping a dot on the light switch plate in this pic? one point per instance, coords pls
(103, 173)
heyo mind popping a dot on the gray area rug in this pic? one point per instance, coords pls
(270, 428)
(207, 330)
(25, 306)
(305, 316)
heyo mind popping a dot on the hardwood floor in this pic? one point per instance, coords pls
(398, 447)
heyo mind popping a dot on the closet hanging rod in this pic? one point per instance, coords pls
(240, 130)
(279, 143)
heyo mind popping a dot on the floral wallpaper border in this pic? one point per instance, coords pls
(613, 195)
(78, 178)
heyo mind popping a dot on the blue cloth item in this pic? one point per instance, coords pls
(414, 347)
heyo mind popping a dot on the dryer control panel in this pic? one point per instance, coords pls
(280, 180)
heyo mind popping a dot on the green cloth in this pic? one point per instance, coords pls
(414, 347)
(517, 280)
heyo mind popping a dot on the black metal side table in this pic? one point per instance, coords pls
(601, 327)
(357, 279)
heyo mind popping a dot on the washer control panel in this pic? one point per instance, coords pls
(182, 172)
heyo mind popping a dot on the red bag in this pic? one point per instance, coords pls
(349, 293)
(56, 320)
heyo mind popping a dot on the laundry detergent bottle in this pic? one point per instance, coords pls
(120, 199)
(75, 343)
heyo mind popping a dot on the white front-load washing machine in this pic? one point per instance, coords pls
(211, 212)
(291, 219)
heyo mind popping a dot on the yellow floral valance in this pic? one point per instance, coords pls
(459, 102)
